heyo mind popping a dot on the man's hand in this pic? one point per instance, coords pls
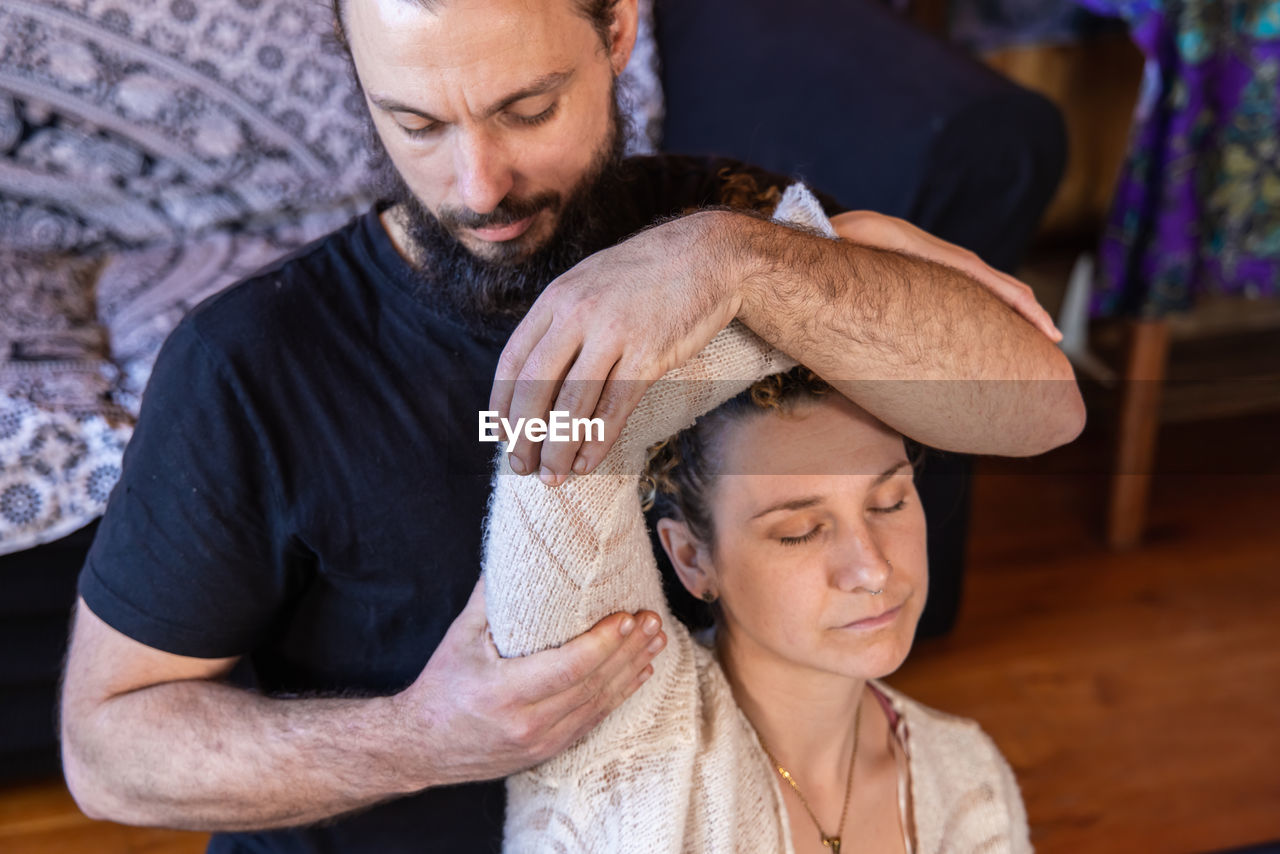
(158, 739)
(488, 717)
(605, 331)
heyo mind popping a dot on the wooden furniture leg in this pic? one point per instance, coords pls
(1136, 432)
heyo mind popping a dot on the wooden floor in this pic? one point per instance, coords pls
(42, 819)
(1137, 695)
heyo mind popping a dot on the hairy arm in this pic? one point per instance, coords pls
(157, 739)
(924, 346)
(917, 331)
(153, 738)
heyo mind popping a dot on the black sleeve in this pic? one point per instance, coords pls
(188, 558)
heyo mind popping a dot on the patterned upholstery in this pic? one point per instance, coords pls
(151, 153)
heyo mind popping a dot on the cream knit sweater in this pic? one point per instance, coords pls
(678, 767)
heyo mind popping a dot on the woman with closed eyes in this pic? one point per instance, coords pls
(793, 512)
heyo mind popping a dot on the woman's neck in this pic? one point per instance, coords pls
(804, 717)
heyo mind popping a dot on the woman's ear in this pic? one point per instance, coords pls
(688, 556)
(622, 33)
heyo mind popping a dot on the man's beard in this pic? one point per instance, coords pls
(486, 293)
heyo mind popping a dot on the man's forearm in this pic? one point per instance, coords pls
(924, 347)
(206, 756)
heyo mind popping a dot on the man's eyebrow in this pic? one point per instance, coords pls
(812, 500)
(540, 86)
(391, 105)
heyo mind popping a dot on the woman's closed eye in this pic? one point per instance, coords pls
(802, 538)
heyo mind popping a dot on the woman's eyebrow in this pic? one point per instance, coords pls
(789, 504)
(890, 472)
(812, 500)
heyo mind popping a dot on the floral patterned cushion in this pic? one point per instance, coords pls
(60, 435)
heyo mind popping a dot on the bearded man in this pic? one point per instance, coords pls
(280, 636)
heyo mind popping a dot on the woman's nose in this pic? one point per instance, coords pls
(482, 171)
(858, 563)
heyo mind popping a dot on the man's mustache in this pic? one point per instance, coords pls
(509, 210)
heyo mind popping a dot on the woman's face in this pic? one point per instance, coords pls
(813, 510)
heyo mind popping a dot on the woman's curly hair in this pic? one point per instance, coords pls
(679, 470)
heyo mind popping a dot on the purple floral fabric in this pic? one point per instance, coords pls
(1197, 206)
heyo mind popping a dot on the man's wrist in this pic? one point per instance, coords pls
(730, 241)
(406, 744)
(749, 256)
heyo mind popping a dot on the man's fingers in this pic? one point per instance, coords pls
(1019, 296)
(618, 399)
(534, 390)
(622, 683)
(1011, 291)
(604, 689)
(514, 356)
(579, 396)
(579, 721)
(1026, 304)
(608, 683)
(587, 664)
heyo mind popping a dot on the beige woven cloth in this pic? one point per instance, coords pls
(678, 767)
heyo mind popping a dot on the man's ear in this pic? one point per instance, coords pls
(622, 33)
(688, 556)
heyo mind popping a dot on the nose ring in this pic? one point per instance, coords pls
(881, 590)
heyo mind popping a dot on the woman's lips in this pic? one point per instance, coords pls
(874, 622)
(500, 233)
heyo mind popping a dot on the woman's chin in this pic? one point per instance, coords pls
(828, 652)
(868, 658)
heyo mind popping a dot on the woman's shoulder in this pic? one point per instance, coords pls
(960, 779)
(960, 735)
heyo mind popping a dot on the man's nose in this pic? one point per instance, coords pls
(482, 171)
(858, 563)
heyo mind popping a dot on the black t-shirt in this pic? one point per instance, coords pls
(305, 489)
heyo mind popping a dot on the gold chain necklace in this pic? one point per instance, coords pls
(832, 842)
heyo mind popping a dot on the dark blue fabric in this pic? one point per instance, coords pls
(863, 104)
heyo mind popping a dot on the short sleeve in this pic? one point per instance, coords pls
(188, 557)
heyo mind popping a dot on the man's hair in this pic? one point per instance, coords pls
(599, 13)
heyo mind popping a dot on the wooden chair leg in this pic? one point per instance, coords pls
(1136, 434)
